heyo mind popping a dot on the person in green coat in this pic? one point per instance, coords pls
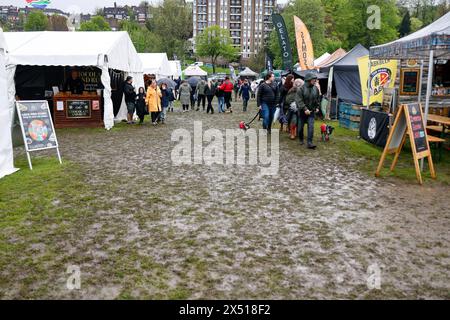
(308, 103)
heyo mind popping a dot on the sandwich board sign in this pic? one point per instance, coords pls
(37, 127)
(409, 121)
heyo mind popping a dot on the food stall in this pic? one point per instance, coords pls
(40, 63)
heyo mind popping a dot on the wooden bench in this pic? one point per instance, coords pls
(436, 128)
(435, 139)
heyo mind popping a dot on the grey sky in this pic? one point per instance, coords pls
(87, 6)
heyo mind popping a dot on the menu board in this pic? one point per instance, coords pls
(78, 109)
(418, 130)
(409, 81)
(37, 125)
(91, 77)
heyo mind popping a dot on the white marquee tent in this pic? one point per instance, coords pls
(175, 66)
(194, 71)
(103, 50)
(6, 151)
(157, 64)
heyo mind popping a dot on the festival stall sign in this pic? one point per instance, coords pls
(283, 39)
(409, 81)
(304, 45)
(91, 77)
(409, 121)
(37, 127)
(382, 75)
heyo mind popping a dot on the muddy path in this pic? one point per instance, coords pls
(225, 232)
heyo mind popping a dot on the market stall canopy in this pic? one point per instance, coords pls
(247, 72)
(193, 71)
(435, 36)
(175, 66)
(6, 148)
(339, 53)
(317, 62)
(156, 63)
(321, 59)
(104, 50)
(59, 48)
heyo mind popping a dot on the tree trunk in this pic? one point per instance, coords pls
(213, 62)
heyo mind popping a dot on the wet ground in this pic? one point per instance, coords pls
(319, 229)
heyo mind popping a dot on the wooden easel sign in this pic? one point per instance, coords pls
(37, 127)
(409, 120)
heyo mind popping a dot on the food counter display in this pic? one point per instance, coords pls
(77, 110)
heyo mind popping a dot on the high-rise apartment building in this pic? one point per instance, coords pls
(249, 21)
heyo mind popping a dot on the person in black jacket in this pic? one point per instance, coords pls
(140, 105)
(130, 98)
(267, 100)
(210, 91)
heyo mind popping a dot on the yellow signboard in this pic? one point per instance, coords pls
(382, 75)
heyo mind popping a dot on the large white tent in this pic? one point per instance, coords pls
(175, 66)
(157, 64)
(104, 50)
(6, 151)
(194, 71)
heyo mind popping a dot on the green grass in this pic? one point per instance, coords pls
(349, 145)
(39, 207)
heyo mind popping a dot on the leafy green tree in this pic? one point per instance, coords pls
(97, 23)
(312, 13)
(36, 21)
(405, 25)
(351, 18)
(171, 21)
(416, 24)
(142, 38)
(257, 61)
(213, 43)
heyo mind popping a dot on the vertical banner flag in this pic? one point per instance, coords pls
(304, 45)
(269, 64)
(382, 75)
(283, 39)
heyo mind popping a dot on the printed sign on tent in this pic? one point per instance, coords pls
(382, 75)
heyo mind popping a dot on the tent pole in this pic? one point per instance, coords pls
(427, 98)
(419, 98)
(368, 83)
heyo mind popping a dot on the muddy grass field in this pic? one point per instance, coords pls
(139, 227)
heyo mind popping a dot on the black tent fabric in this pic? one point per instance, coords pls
(346, 75)
(320, 75)
(348, 86)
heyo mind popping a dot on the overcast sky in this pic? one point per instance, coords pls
(87, 6)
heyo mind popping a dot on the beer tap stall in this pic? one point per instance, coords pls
(41, 64)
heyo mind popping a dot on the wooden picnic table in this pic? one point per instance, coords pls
(439, 119)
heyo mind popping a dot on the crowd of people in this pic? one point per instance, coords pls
(298, 101)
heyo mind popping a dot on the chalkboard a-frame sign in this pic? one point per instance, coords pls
(37, 127)
(409, 121)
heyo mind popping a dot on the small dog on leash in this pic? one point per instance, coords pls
(326, 131)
